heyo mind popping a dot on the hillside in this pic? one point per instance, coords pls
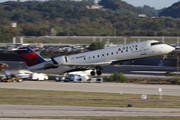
(122, 7)
(37, 18)
(172, 11)
(62, 18)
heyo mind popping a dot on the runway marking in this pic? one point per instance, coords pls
(158, 72)
(149, 72)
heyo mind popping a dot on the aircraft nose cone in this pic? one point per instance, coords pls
(168, 49)
(172, 49)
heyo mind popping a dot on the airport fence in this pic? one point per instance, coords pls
(118, 40)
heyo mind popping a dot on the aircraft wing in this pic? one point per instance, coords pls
(49, 65)
(62, 60)
(87, 66)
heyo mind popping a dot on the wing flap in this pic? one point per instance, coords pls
(87, 65)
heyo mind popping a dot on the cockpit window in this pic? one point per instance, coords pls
(156, 43)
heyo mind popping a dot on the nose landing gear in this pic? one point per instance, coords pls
(163, 58)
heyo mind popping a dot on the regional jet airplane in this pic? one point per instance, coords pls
(93, 60)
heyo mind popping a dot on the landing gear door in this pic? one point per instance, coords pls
(143, 50)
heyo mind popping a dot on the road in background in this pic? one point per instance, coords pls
(119, 40)
(138, 69)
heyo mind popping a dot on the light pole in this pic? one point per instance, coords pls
(14, 25)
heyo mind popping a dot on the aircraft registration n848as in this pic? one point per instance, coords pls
(93, 60)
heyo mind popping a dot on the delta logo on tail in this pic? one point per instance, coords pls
(29, 57)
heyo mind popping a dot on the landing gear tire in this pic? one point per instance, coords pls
(99, 72)
(163, 60)
(93, 73)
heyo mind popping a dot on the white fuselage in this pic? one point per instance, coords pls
(114, 55)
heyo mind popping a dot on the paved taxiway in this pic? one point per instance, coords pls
(96, 87)
(39, 110)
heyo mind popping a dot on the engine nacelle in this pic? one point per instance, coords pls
(59, 60)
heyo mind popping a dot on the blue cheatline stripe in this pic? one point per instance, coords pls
(40, 60)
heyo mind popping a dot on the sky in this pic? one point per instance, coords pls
(158, 4)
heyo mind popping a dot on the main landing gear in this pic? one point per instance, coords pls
(163, 58)
(98, 71)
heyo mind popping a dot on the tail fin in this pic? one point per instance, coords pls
(29, 56)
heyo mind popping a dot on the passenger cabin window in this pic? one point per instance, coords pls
(156, 43)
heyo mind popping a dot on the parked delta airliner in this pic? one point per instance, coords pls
(93, 60)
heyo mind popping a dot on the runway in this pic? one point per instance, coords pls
(38, 110)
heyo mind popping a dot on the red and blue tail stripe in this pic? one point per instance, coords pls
(29, 56)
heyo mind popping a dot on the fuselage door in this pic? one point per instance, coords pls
(66, 59)
(143, 50)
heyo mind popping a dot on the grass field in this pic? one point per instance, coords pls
(43, 97)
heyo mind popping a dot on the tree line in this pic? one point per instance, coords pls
(63, 18)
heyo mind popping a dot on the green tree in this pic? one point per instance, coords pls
(122, 78)
(96, 46)
(115, 77)
(58, 29)
(118, 77)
